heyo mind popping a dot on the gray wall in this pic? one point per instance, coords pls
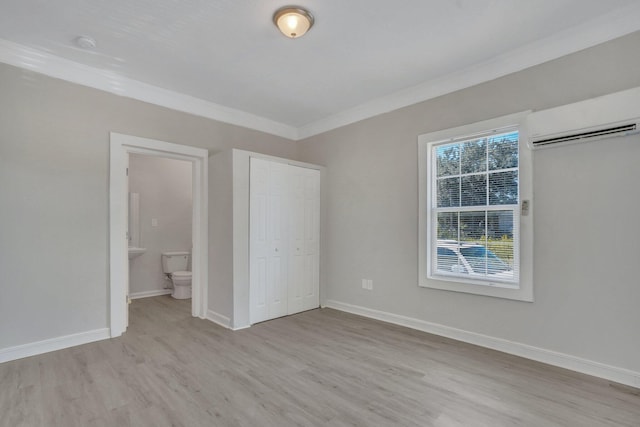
(580, 309)
(54, 156)
(165, 192)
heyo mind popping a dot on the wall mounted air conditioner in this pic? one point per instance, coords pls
(594, 133)
(616, 114)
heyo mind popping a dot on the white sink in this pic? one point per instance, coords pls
(136, 252)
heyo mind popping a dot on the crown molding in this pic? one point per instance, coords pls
(607, 27)
(53, 66)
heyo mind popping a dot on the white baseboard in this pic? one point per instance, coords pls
(574, 363)
(52, 344)
(219, 319)
(147, 294)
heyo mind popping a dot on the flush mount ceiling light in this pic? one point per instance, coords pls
(293, 21)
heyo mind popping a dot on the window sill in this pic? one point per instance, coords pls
(496, 289)
(474, 282)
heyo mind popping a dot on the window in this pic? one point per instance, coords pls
(474, 191)
(473, 181)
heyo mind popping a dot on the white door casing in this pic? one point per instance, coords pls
(121, 146)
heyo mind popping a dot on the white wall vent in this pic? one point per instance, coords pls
(586, 134)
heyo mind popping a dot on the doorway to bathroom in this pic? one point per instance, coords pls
(122, 148)
(160, 216)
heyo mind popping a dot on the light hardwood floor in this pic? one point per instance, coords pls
(319, 368)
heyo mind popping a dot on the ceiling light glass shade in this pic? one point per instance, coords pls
(293, 21)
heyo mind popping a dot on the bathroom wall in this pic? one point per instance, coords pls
(165, 192)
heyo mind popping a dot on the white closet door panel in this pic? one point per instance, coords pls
(296, 239)
(277, 220)
(268, 273)
(258, 244)
(277, 303)
(304, 278)
(312, 239)
(284, 239)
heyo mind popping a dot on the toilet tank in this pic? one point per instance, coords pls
(175, 261)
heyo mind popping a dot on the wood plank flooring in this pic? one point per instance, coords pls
(319, 368)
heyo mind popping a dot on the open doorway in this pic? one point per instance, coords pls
(160, 226)
(121, 147)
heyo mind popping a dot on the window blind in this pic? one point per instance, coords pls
(475, 207)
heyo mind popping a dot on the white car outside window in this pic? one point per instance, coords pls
(471, 259)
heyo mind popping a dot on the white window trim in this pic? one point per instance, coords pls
(524, 291)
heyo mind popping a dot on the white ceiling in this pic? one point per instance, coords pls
(224, 58)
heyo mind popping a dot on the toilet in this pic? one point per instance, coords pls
(174, 265)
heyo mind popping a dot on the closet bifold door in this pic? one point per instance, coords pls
(304, 239)
(284, 239)
(268, 224)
